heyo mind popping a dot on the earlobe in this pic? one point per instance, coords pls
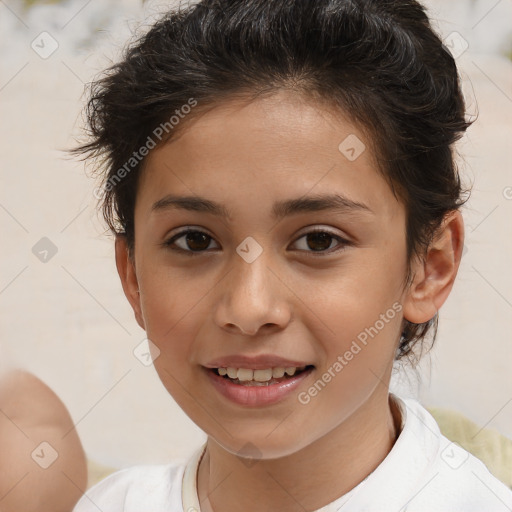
(435, 274)
(127, 273)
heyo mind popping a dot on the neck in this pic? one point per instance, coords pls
(305, 480)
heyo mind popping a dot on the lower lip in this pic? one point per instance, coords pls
(256, 396)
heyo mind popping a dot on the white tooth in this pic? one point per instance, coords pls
(232, 373)
(277, 373)
(290, 371)
(222, 371)
(262, 375)
(244, 374)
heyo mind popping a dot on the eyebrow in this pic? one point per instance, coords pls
(280, 209)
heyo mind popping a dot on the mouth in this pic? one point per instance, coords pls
(260, 377)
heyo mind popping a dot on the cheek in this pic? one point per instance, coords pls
(358, 317)
(169, 296)
(358, 356)
(355, 296)
(170, 314)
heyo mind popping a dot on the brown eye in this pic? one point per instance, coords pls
(197, 241)
(190, 241)
(321, 241)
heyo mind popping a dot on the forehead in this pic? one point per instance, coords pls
(277, 145)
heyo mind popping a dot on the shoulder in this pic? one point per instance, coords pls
(454, 479)
(143, 487)
(36, 422)
(461, 482)
(24, 394)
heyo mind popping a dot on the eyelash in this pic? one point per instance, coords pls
(170, 242)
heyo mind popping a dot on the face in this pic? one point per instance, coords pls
(272, 267)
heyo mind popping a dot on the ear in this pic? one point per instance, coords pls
(126, 270)
(435, 274)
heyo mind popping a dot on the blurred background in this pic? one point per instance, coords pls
(64, 316)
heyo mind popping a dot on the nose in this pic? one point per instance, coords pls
(252, 299)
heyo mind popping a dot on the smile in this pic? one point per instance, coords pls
(246, 376)
(261, 387)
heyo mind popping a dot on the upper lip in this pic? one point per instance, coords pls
(261, 362)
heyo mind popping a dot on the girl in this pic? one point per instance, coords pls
(237, 138)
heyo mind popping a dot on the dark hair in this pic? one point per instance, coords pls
(377, 60)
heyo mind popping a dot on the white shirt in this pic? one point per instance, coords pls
(423, 472)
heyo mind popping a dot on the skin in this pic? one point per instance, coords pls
(30, 414)
(292, 301)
